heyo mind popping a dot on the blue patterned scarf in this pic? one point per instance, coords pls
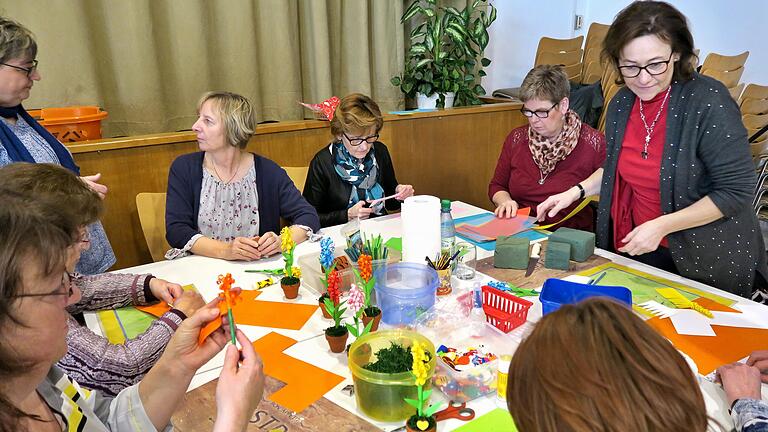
(361, 175)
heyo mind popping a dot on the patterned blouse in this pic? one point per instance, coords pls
(99, 257)
(227, 211)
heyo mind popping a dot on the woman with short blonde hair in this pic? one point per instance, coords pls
(550, 154)
(225, 202)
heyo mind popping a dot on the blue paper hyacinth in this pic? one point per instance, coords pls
(327, 249)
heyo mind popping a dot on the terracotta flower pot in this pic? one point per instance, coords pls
(432, 424)
(337, 342)
(376, 319)
(291, 291)
(326, 315)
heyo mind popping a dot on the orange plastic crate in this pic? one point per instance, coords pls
(69, 124)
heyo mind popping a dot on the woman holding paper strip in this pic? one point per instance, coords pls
(354, 176)
(549, 155)
(91, 359)
(34, 293)
(677, 184)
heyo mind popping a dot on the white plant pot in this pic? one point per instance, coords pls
(430, 102)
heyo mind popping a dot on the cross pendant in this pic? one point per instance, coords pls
(644, 154)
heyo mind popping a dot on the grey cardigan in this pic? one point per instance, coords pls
(706, 153)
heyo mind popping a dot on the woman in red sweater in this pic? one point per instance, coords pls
(550, 155)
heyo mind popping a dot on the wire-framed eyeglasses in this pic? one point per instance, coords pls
(65, 289)
(27, 70)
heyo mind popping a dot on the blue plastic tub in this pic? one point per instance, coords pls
(405, 291)
(557, 292)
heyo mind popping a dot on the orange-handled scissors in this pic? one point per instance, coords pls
(455, 410)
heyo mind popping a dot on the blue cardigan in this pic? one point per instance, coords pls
(278, 197)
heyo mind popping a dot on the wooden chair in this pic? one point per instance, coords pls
(754, 100)
(736, 91)
(151, 208)
(593, 45)
(754, 122)
(754, 91)
(610, 88)
(570, 60)
(298, 176)
(726, 69)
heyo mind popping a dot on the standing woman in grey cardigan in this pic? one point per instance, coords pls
(676, 187)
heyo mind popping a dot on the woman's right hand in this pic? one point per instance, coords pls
(555, 203)
(506, 209)
(358, 211)
(240, 387)
(759, 359)
(244, 248)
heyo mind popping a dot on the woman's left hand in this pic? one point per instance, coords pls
(165, 291)
(403, 192)
(269, 244)
(183, 350)
(644, 238)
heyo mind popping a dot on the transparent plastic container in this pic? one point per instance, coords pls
(312, 275)
(405, 291)
(381, 396)
(472, 382)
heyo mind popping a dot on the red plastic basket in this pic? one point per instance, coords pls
(503, 310)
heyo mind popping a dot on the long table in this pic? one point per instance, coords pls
(337, 410)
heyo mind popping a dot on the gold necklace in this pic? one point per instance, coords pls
(213, 164)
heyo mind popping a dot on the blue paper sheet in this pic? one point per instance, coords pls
(481, 218)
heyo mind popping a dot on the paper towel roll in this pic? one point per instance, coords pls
(421, 228)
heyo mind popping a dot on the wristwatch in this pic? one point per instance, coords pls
(582, 192)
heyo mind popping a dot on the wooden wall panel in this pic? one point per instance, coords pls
(450, 154)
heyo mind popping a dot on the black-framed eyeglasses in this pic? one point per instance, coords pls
(538, 113)
(66, 288)
(29, 71)
(354, 142)
(655, 68)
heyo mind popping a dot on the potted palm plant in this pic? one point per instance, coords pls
(441, 64)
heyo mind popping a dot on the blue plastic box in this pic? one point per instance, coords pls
(557, 292)
(405, 291)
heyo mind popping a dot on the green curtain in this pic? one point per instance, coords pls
(148, 61)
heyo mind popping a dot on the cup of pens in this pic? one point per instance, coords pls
(442, 266)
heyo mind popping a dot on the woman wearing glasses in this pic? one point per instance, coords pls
(348, 178)
(22, 139)
(36, 395)
(676, 187)
(554, 152)
(225, 202)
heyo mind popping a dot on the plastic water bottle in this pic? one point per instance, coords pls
(447, 229)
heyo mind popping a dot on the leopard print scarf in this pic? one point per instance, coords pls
(546, 153)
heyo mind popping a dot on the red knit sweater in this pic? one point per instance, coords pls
(518, 174)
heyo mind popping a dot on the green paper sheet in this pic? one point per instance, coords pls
(395, 243)
(496, 420)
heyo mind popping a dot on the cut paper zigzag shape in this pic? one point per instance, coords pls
(304, 383)
(730, 344)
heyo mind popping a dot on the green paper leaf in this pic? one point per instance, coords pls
(413, 403)
(431, 410)
(426, 394)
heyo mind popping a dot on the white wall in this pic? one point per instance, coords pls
(724, 27)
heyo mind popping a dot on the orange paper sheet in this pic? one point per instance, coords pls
(730, 344)
(304, 383)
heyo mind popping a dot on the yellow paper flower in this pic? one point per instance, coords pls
(420, 368)
(286, 240)
(296, 272)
